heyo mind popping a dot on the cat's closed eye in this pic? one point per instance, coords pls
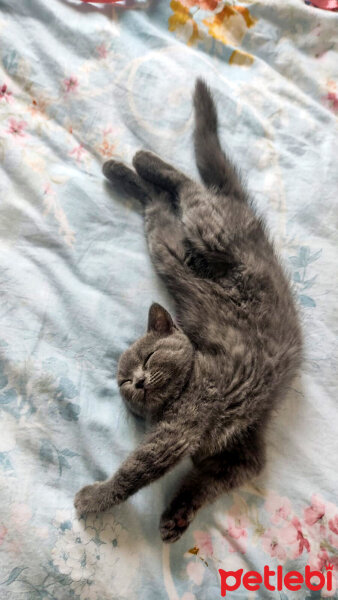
(148, 357)
(124, 381)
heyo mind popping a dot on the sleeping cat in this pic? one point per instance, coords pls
(209, 381)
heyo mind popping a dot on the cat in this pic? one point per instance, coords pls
(209, 381)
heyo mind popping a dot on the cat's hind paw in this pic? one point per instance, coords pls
(116, 170)
(126, 180)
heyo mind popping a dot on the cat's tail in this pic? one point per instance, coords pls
(215, 168)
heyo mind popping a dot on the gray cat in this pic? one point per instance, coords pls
(209, 382)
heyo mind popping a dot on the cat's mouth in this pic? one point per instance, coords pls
(141, 394)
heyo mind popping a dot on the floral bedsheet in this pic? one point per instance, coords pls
(81, 83)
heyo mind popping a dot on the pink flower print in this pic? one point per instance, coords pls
(333, 527)
(315, 512)
(16, 128)
(332, 100)
(271, 544)
(107, 131)
(318, 561)
(3, 533)
(102, 51)
(303, 542)
(276, 541)
(287, 534)
(237, 529)
(77, 152)
(204, 543)
(279, 508)
(106, 149)
(333, 540)
(5, 93)
(47, 189)
(239, 534)
(333, 524)
(195, 572)
(70, 84)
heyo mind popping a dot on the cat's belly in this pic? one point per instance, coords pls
(216, 441)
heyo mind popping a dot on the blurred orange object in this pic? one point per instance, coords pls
(103, 1)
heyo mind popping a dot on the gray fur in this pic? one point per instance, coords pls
(209, 383)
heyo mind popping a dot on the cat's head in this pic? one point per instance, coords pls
(156, 367)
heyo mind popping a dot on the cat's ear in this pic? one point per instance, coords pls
(159, 320)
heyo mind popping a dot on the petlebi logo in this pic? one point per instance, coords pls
(275, 580)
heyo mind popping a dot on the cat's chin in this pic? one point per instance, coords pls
(136, 409)
(149, 407)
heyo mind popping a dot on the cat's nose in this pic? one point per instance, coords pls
(139, 384)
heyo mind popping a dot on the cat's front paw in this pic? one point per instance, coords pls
(92, 498)
(174, 523)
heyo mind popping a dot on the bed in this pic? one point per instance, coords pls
(82, 83)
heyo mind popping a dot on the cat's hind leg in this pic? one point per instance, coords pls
(126, 180)
(152, 168)
(163, 228)
(165, 238)
(167, 248)
(208, 479)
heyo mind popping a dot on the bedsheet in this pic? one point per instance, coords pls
(79, 84)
